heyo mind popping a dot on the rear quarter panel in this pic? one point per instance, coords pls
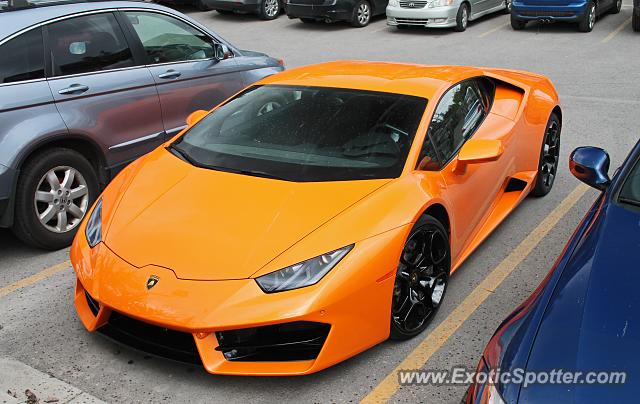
(539, 101)
(27, 116)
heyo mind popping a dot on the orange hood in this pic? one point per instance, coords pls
(211, 225)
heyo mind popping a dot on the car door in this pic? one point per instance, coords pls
(100, 90)
(458, 117)
(27, 109)
(182, 62)
(480, 6)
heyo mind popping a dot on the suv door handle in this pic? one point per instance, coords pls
(74, 89)
(170, 74)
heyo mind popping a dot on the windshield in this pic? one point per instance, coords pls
(307, 134)
(630, 193)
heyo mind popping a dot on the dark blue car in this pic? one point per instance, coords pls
(583, 12)
(585, 316)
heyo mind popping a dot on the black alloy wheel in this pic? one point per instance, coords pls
(549, 157)
(421, 278)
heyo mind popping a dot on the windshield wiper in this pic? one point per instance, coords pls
(629, 201)
(182, 155)
(261, 174)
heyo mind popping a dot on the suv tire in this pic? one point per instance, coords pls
(34, 187)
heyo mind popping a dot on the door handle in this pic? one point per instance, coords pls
(170, 74)
(74, 89)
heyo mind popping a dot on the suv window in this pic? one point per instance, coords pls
(458, 115)
(88, 43)
(22, 58)
(166, 39)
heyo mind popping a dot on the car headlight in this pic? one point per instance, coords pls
(93, 231)
(440, 3)
(306, 273)
(394, 3)
(485, 392)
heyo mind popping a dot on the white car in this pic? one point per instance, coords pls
(441, 13)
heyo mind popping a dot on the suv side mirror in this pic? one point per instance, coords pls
(476, 151)
(221, 51)
(195, 116)
(591, 166)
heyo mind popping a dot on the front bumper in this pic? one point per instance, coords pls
(330, 10)
(439, 17)
(568, 13)
(355, 309)
(246, 6)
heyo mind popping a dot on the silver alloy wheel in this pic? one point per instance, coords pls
(271, 8)
(509, 2)
(61, 199)
(618, 4)
(592, 16)
(363, 13)
(465, 17)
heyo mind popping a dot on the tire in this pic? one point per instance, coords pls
(635, 22)
(270, 9)
(426, 282)
(27, 224)
(202, 6)
(517, 24)
(549, 157)
(617, 6)
(462, 18)
(507, 6)
(588, 20)
(309, 20)
(361, 14)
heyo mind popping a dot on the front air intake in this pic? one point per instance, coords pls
(297, 341)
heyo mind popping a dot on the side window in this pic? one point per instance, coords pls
(458, 115)
(166, 39)
(88, 43)
(22, 58)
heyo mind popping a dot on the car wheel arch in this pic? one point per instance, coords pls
(80, 144)
(558, 111)
(468, 3)
(439, 212)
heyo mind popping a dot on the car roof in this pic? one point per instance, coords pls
(401, 78)
(12, 21)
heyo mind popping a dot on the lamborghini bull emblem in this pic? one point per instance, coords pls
(152, 281)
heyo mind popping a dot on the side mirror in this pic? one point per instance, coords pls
(195, 116)
(477, 151)
(591, 166)
(221, 51)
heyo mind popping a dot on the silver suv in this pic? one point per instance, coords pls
(85, 88)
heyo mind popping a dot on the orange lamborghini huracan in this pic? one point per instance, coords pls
(314, 214)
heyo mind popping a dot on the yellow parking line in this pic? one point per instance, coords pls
(34, 278)
(617, 30)
(491, 31)
(434, 341)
